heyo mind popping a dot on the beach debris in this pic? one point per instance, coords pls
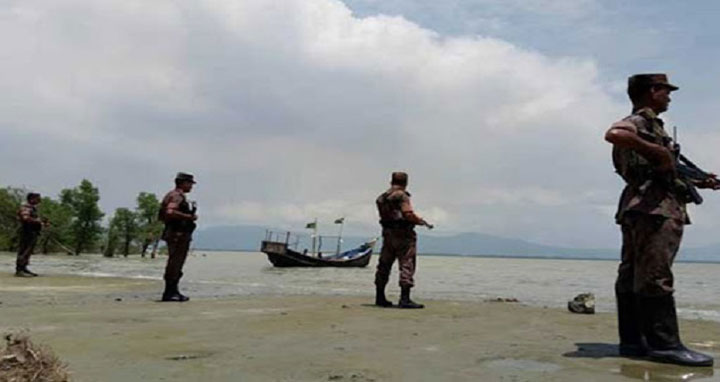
(182, 357)
(22, 360)
(359, 377)
(190, 356)
(584, 303)
(503, 299)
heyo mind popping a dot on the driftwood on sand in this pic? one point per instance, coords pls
(23, 361)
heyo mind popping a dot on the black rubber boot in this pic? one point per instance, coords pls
(22, 272)
(33, 274)
(406, 302)
(380, 299)
(171, 293)
(660, 326)
(181, 297)
(632, 343)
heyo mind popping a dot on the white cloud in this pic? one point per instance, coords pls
(292, 110)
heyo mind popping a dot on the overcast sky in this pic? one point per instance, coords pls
(295, 109)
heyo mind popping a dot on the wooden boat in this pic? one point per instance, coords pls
(282, 251)
(280, 255)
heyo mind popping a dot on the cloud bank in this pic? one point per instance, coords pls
(291, 110)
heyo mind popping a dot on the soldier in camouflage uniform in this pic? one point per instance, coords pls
(30, 227)
(652, 215)
(399, 241)
(179, 218)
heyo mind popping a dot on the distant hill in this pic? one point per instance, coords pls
(247, 238)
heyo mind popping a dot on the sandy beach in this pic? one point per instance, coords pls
(111, 329)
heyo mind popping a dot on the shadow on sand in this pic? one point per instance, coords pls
(594, 350)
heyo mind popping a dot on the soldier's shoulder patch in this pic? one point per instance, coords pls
(174, 196)
(639, 121)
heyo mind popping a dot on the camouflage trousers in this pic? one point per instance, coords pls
(178, 244)
(28, 239)
(650, 243)
(398, 244)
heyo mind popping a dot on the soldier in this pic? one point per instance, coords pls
(179, 218)
(651, 214)
(399, 241)
(30, 227)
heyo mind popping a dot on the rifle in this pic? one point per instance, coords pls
(687, 175)
(690, 174)
(61, 245)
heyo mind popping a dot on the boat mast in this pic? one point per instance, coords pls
(314, 236)
(342, 223)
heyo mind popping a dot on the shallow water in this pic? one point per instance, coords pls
(540, 282)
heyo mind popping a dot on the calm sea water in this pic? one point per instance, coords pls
(540, 282)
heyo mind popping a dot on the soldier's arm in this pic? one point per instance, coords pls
(624, 134)
(712, 183)
(410, 215)
(26, 216)
(172, 210)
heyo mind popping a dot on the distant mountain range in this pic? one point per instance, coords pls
(248, 238)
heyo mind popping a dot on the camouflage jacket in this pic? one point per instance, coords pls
(644, 192)
(28, 215)
(176, 200)
(390, 205)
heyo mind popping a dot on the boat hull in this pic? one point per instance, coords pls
(282, 256)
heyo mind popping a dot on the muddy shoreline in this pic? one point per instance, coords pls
(112, 329)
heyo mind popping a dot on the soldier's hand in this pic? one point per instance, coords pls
(429, 226)
(712, 183)
(194, 217)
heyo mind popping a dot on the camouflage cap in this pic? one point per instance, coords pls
(32, 195)
(399, 178)
(645, 81)
(182, 176)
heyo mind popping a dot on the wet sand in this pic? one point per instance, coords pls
(111, 329)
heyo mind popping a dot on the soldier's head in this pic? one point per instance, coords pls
(33, 198)
(399, 179)
(650, 90)
(184, 181)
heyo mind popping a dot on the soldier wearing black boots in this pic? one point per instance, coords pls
(179, 218)
(398, 221)
(30, 227)
(652, 216)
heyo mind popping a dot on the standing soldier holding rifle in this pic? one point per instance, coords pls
(652, 214)
(179, 218)
(30, 227)
(398, 221)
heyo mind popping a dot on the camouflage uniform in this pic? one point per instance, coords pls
(399, 238)
(29, 233)
(650, 214)
(177, 234)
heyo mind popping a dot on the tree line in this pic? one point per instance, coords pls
(76, 223)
